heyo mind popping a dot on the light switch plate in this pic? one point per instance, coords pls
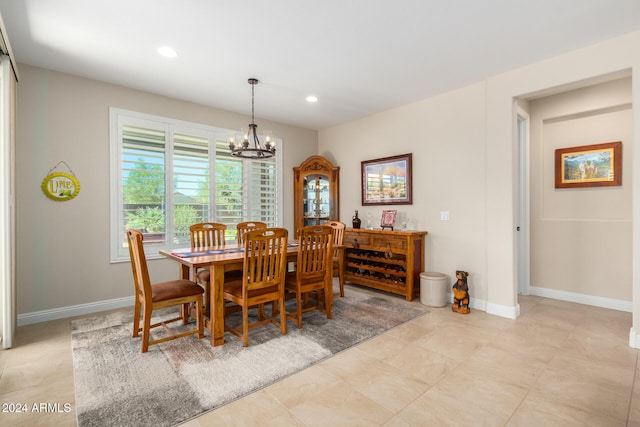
(444, 215)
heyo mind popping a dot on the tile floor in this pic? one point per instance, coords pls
(558, 364)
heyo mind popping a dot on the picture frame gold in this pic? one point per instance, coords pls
(596, 165)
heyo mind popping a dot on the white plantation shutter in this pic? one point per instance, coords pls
(191, 182)
(246, 190)
(229, 187)
(262, 191)
(141, 180)
(168, 174)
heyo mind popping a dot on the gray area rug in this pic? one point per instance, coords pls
(178, 380)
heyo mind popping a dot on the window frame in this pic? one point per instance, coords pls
(121, 117)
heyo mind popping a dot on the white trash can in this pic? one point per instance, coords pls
(433, 289)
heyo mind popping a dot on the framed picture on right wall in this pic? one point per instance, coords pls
(594, 165)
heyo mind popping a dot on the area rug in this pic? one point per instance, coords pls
(178, 380)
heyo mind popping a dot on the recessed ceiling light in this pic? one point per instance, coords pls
(167, 52)
(312, 98)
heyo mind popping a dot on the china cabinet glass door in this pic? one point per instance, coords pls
(317, 200)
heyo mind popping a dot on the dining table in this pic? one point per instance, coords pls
(219, 259)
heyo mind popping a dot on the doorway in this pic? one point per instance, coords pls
(522, 222)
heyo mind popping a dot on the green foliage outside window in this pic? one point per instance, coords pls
(184, 216)
(147, 219)
(144, 184)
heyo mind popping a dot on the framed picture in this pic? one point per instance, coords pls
(595, 165)
(387, 181)
(388, 219)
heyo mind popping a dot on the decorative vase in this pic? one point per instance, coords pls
(356, 221)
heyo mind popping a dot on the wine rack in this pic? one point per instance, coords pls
(387, 260)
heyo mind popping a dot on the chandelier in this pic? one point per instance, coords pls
(244, 149)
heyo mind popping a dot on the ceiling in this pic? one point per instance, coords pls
(359, 57)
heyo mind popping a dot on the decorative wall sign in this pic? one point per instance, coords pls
(589, 165)
(60, 186)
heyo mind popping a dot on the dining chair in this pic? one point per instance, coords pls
(150, 297)
(338, 259)
(243, 227)
(262, 281)
(205, 235)
(313, 274)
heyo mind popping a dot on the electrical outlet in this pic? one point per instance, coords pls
(444, 215)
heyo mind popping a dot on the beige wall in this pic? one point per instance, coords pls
(63, 247)
(446, 135)
(581, 237)
(465, 159)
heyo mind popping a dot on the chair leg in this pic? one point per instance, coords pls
(245, 324)
(283, 316)
(299, 307)
(146, 328)
(136, 318)
(199, 319)
(185, 313)
(327, 300)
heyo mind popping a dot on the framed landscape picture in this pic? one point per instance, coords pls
(589, 165)
(387, 181)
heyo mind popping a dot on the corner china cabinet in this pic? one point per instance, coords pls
(315, 192)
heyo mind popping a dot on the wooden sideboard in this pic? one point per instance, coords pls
(383, 259)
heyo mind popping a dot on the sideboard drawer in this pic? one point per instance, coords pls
(389, 242)
(361, 238)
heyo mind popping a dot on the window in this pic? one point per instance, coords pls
(167, 175)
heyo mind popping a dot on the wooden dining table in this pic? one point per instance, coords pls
(219, 260)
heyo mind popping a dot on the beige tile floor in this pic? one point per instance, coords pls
(558, 364)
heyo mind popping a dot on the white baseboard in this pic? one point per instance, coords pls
(634, 339)
(490, 308)
(503, 310)
(611, 303)
(74, 310)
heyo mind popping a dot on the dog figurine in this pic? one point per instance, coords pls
(461, 293)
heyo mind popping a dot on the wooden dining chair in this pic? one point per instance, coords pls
(206, 235)
(243, 227)
(150, 297)
(338, 259)
(262, 281)
(313, 275)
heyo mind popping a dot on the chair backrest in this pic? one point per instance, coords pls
(315, 252)
(338, 235)
(265, 258)
(206, 234)
(243, 227)
(141, 280)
